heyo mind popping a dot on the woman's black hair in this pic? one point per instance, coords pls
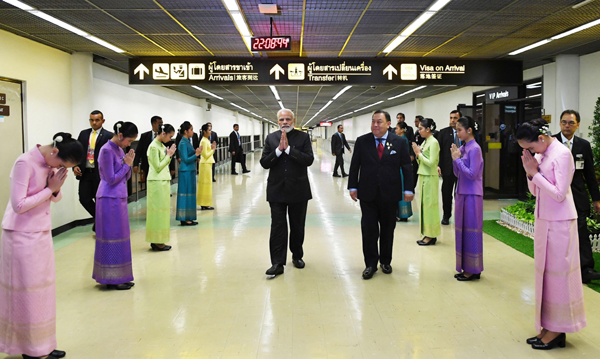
(128, 129)
(402, 125)
(184, 127)
(204, 128)
(468, 122)
(428, 123)
(165, 128)
(69, 149)
(530, 131)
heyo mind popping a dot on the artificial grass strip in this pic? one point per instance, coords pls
(524, 244)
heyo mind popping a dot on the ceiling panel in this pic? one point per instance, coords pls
(148, 21)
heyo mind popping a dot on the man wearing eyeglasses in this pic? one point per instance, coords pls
(584, 174)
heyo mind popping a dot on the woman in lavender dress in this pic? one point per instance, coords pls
(468, 168)
(112, 260)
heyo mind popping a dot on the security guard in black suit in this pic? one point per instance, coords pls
(86, 171)
(584, 175)
(446, 137)
(409, 133)
(338, 142)
(287, 155)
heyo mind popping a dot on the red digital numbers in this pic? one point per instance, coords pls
(271, 43)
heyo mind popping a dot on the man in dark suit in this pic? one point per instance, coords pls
(446, 137)
(375, 180)
(141, 156)
(287, 155)
(213, 138)
(86, 171)
(584, 175)
(410, 134)
(237, 152)
(338, 142)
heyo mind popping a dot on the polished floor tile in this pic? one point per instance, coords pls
(209, 297)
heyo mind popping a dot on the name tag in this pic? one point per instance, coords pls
(579, 162)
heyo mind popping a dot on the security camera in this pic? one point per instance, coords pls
(373, 87)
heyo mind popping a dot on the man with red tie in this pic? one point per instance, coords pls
(375, 179)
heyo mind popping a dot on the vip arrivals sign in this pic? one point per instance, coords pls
(302, 71)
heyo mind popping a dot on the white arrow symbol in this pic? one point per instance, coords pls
(277, 70)
(141, 69)
(391, 71)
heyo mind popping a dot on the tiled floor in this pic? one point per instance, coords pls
(209, 298)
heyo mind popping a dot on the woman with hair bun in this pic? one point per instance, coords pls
(158, 213)
(428, 156)
(27, 277)
(558, 290)
(186, 185)
(205, 198)
(112, 259)
(467, 162)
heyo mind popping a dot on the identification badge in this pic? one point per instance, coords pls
(579, 162)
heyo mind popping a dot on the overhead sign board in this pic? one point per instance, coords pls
(303, 71)
(4, 111)
(501, 94)
(2, 99)
(325, 124)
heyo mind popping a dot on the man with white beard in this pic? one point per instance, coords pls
(287, 155)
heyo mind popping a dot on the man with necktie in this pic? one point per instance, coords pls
(237, 152)
(446, 137)
(584, 175)
(86, 171)
(375, 179)
(338, 142)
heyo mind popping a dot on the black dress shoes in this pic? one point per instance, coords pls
(246, 171)
(532, 340)
(445, 221)
(276, 269)
(589, 276)
(344, 175)
(206, 208)
(50, 356)
(559, 341)
(403, 219)
(458, 275)
(157, 248)
(214, 180)
(464, 278)
(386, 268)
(336, 175)
(368, 272)
(234, 173)
(298, 263)
(430, 243)
(191, 223)
(122, 286)
(58, 353)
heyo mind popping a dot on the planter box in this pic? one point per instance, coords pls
(528, 228)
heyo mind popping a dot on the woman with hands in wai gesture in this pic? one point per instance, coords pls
(186, 184)
(158, 213)
(559, 301)
(112, 259)
(27, 276)
(204, 198)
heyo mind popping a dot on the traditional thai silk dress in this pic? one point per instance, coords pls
(429, 187)
(158, 213)
(27, 287)
(558, 289)
(112, 259)
(186, 186)
(468, 209)
(205, 185)
(405, 208)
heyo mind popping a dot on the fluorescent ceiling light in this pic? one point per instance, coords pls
(231, 5)
(366, 107)
(64, 25)
(537, 95)
(238, 18)
(238, 106)
(576, 6)
(480, 95)
(281, 105)
(274, 91)
(532, 46)
(417, 23)
(407, 92)
(341, 92)
(207, 92)
(577, 29)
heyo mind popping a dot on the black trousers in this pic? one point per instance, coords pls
(378, 223)
(213, 171)
(280, 212)
(88, 186)
(415, 167)
(585, 246)
(238, 158)
(448, 184)
(339, 162)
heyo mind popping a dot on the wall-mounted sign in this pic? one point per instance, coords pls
(4, 111)
(271, 43)
(2, 99)
(501, 94)
(303, 71)
(325, 124)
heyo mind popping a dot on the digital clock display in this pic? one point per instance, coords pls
(271, 43)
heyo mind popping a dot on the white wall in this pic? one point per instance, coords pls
(589, 90)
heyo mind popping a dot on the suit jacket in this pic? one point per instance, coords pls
(370, 175)
(551, 186)
(141, 152)
(101, 139)
(446, 138)
(288, 174)
(338, 144)
(410, 135)
(158, 162)
(187, 154)
(582, 151)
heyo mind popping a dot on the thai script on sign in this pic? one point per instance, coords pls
(313, 67)
(214, 66)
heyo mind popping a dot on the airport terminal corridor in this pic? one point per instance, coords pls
(209, 297)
